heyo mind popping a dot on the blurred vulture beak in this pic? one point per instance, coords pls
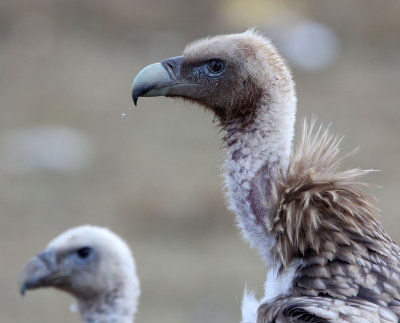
(38, 272)
(162, 79)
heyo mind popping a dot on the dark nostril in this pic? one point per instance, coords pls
(49, 258)
(171, 69)
(173, 66)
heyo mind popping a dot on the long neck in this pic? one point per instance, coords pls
(114, 307)
(253, 154)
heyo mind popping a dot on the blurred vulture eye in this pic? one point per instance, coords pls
(84, 253)
(215, 67)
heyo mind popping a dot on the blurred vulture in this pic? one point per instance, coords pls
(329, 258)
(95, 266)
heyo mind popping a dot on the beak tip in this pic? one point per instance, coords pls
(22, 288)
(135, 99)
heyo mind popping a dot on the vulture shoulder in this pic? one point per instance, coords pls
(349, 269)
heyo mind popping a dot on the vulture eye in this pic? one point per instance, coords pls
(215, 67)
(84, 253)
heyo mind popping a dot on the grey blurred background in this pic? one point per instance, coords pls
(74, 150)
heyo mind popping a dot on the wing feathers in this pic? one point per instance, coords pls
(323, 309)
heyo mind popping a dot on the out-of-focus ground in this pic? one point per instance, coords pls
(69, 157)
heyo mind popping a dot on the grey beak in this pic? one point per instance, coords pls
(37, 272)
(161, 79)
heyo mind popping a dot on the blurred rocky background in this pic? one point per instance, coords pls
(74, 150)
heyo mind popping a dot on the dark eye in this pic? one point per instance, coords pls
(84, 252)
(215, 67)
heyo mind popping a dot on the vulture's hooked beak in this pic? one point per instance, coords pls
(161, 79)
(38, 271)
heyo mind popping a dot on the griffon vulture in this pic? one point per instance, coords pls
(95, 266)
(329, 258)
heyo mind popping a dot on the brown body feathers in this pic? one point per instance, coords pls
(322, 217)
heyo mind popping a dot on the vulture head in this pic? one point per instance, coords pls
(95, 266)
(231, 75)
